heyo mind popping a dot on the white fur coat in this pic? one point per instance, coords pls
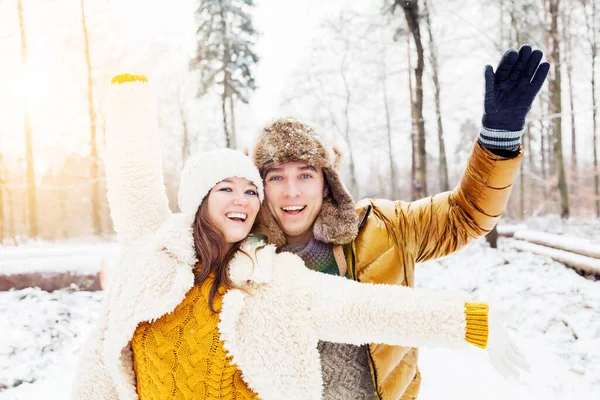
(271, 326)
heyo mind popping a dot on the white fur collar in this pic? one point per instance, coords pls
(176, 237)
(254, 264)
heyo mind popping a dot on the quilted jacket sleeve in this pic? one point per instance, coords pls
(136, 191)
(441, 224)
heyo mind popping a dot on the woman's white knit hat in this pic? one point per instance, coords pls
(203, 171)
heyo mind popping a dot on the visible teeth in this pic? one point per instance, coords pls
(293, 208)
(237, 215)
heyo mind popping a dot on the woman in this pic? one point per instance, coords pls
(197, 310)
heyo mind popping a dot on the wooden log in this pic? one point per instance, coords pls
(509, 230)
(573, 245)
(50, 281)
(588, 265)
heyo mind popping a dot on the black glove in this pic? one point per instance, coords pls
(509, 93)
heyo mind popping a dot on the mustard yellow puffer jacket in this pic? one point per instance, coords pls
(395, 235)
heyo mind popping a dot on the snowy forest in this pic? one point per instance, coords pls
(397, 85)
(399, 90)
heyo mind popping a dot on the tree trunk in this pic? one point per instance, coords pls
(31, 188)
(11, 208)
(591, 26)
(522, 175)
(353, 179)
(232, 123)
(63, 209)
(532, 188)
(543, 146)
(443, 167)
(569, 60)
(501, 23)
(388, 124)
(555, 101)
(185, 146)
(492, 237)
(547, 103)
(2, 183)
(96, 222)
(411, 12)
(225, 127)
(228, 142)
(413, 128)
(595, 135)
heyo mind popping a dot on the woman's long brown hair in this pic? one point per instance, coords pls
(210, 247)
(211, 254)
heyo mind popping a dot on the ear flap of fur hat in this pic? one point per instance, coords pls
(289, 140)
(270, 228)
(337, 222)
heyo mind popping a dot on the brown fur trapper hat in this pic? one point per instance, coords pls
(289, 140)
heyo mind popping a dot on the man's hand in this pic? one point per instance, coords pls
(504, 353)
(510, 91)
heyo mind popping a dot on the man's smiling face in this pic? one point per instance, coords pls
(294, 193)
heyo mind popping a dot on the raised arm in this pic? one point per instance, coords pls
(443, 223)
(136, 191)
(440, 224)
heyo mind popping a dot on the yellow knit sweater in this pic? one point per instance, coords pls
(180, 355)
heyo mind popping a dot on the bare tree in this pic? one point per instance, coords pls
(345, 130)
(344, 127)
(186, 139)
(31, 188)
(567, 39)
(443, 164)
(225, 55)
(526, 148)
(330, 89)
(413, 127)
(94, 172)
(232, 114)
(411, 13)
(590, 19)
(553, 7)
(543, 142)
(2, 184)
(388, 126)
(10, 206)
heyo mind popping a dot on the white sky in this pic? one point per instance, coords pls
(157, 38)
(286, 28)
(140, 31)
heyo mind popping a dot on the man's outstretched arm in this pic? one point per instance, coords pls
(438, 225)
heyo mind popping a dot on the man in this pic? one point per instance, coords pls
(380, 241)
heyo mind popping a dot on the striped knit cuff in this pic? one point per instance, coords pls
(499, 139)
(476, 332)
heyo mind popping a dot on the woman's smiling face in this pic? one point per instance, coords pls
(233, 205)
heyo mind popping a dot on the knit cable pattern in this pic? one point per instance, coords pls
(180, 355)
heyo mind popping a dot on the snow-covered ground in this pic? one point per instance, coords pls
(556, 319)
(71, 256)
